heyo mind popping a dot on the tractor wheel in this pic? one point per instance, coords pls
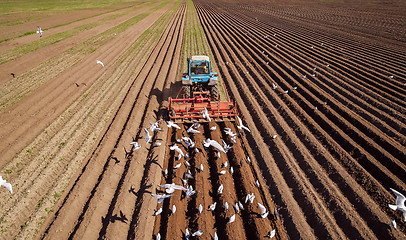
(187, 90)
(214, 93)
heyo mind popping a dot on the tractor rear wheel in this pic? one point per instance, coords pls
(214, 93)
(187, 90)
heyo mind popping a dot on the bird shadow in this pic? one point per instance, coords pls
(115, 217)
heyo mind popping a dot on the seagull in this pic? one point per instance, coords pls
(177, 166)
(208, 142)
(223, 172)
(166, 172)
(205, 114)
(212, 207)
(100, 62)
(173, 209)
(393, 222)
(6, 184)
(231, 170)
(294, 88)
(200, 208)
(190, 191)
(257, 183)
(226, 147)
(154, 127)
(232, 219)
(327, 65)
(196, 124)
(201, 167)
(158, 212)
(225, 164)
(172, 124)
(233, 138)
(192, 130)
(213, 128)
(197, 233)
(147, 136)
(237, 209)
(171, 187)
(274, 86)
(286, 92)
(158, 236)
(264, 213)
(136, 146)
(390, 76)
(275, 212)
(220, 189)
(215, 236)
(241, 126)
(271, 234)
(39, 31)
(304, 76)
(248, 159)
(250, 197)
(157, 144)
(187, 234)
(400, 203)
(161, 197)
(226, 206)
(274, 136)
(187, 163)
(240, 205)
(189, 143)
(176, 148)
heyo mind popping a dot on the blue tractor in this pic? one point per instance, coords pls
(200, 77)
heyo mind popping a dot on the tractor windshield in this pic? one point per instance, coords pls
(199, 68)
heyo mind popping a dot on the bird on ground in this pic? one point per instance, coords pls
(257, 183)
(327, 65)
(197, 233)
(172, 124)
(208, 142)
(275, 212)
(196, 124)
(248, 159)
(157, 144)
(176, 148)
(173, 209)
(147, 136)
(390, 76)
(206, 115)
(400, 203)
(304, 76)
(237, 208)
(241, 126)
(271, 234)
(231, 170)
(232, 219)
(135, 146)
(157, 212)
(5, 184)
(187, 234)
(212, 206)
(213, 128)
(274, 86)
(177, 166)
(220, 189)
(223, 172)
(201, 167)
(267, 63)
(161, 197)
(39, 31)
(186, 162)
(225, 164)
(264, 213)
(215, 236)
(158, 236)
(192, 130)
(393, 222)
(240, 205)
(226, 146)
(200, 208)
(226, 206)
(294, 88)
(166, 172)
(286, 92)
(274, 136)
(196, 150)
(100, 62)
(154, 127)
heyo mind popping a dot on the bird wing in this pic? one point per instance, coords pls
(8, 186)
(263, 209)
(400, 198)
(217, 145)
(239, 121)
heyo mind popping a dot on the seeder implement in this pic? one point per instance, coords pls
(188, 109)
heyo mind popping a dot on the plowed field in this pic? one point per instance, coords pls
(320, 84)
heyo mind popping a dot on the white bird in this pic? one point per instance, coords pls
(186, 162)
(173, 209)
(147, 136)
(240, 205)
(196, 124)
(187, 234)
(200, 208)
(264, 213)
(274, 136)
(172, 186)
(158, 212)
(197, 233)
(223, 172)
(248, 159)
(327, 65)
(400, 203)
(188, 142)
(226, 146)
(274, 86)
(213, 128)
(166, 172)
(176, 148)
(154, 127)
(225, 164)
(192, 130)
(39, 31)
(196, 150)
(233, 138)
(206, 115)
(250, 197)
(215, 236)
(172, 124)
(212, 206)
(201, 167)
(393, 222)
(218, 155)
(6, 184)
(257, 183)
(231, 170)
(161, 197)
(158, 236)
(271, 234)
(237, 208)
(187, 157)
(390, 76)
(241, 126)
(135, 145)
(157, 144)
(208, 142)
(220, 189)
(232, 219)
(100, 62)
(294, 88)
(177, 165)
(190, 191)
(304, 76)
(226, 206)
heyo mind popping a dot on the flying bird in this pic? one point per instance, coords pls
(100, 62)
(5, 184)
(190, 191)
(206, 115)
(172, 124)
(264, 213)
(250, 197)
(274, 86)
(187, 234)
(400, 203)
(171, 187)
(225, 164)
(196, 124)
(154, 127)
(39, 31)
(161, 197)
(135, 146)
(147, 136)
(241, 126)
(208, 142)
(176, 148)
(226, 146)
(192, 130)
